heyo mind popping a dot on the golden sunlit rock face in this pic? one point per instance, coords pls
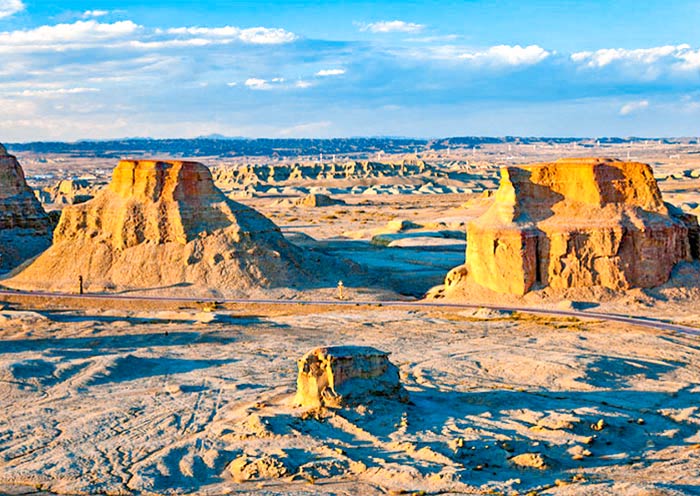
(577, 223)
(337, 376)
(158, 202)
(25, 228)
(159, 224)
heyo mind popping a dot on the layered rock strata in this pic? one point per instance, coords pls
(336, 376)
(25, 229)
(576, 223)
(163, 224)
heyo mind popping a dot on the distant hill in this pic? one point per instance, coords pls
(221, 146)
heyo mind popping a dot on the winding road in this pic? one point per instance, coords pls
(625, 319)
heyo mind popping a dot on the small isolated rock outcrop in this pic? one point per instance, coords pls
(265, 466)
(164, 224)
(318, 200)
(576, 223)
(530, 460)
(336, 376)
(25, 228)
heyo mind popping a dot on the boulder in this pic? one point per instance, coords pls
(164, 224)
(265, 466)
(577, 223)
(25, 228)
(336, 376)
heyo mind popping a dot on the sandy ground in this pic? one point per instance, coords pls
(161, 403)
(161, 399)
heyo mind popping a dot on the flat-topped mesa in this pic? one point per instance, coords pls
(25, 229)
(577, 223)
(159, 202)
(164, 223)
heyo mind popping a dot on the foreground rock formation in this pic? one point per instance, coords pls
(339, 375)
(161, 224)
(25, 229)
(576, 223)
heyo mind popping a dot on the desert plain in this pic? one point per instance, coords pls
(183, 381)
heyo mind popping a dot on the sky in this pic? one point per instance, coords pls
(108, 69)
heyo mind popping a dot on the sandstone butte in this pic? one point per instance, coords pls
(576, 223)
(25, 229)
(163, 224)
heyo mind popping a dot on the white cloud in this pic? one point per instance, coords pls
(94, 13)
(607, 56)
(256, 36)
(509, 55)
(392, 27)
(330, 72)
(258, 84)
(10, 7)
(632, 107)
(59, 37)
(654, 61)
(232, 84)
(91, 33)
(52, 93)
(275, 83)
(500, 55)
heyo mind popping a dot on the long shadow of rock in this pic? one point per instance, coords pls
(476, 434)
(93, 345)
(613, 372)
(130, 367)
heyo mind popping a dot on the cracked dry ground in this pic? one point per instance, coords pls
(146, 405)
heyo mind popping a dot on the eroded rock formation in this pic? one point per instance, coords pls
(256, 174)
(576, 223)
(162, 224)
(67, 192)
(335, 376)
(25, 229)
(318, 200)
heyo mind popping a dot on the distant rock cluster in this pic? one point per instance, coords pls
(67, 192)
(576, 223)
(267, 174)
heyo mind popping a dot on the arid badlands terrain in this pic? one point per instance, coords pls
(513, 318)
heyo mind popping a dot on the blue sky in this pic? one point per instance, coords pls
(106, 69)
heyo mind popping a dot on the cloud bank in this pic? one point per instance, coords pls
(107, 75)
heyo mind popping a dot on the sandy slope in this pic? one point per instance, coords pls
(163, 402)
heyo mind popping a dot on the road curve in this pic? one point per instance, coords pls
(625, 319)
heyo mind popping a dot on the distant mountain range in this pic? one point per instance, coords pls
(222, 146)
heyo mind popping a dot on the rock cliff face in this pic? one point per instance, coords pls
(576, 223)
(25, 229)
(163, 224)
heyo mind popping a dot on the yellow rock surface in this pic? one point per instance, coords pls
(337, 375)
(577, 223)
(164, 224)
